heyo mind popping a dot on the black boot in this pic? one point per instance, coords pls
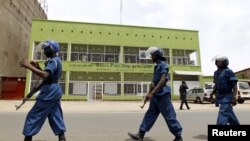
(28, 138)
(178, 138)
(138, 137)
(61, 137)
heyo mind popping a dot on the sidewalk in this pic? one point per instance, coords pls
(108, 106)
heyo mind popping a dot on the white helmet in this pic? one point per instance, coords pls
(224, 59)
(155, 51)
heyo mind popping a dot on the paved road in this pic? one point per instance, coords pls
(99, 123)
(114, 126)
(105, 106)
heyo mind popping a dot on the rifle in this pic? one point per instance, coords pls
(30, 94)
(145, 100)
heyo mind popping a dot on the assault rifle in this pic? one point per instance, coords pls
(30, 94)
(145, 99)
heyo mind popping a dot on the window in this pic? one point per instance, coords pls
(201, 91)
(131, 55)
(136, 88)
(39, 53)
(94, 53)
(63, 51)
(244, 85)
(129, 89)
(184, 57)
(78, 88)
(112, 88)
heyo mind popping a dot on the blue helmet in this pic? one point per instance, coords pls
(51, 46)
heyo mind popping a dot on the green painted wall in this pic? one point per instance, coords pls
(91, 33)
(118, 35)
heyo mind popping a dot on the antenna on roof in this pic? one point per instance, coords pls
(44, 6)
(120, 11)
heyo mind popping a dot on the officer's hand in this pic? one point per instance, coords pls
(234, 101)
(35, 64)
(24, 63)
(149, 96)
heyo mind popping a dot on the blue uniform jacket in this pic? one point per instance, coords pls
(161, 68)
(224, 81)
(51, 90)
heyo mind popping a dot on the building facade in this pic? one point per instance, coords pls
(15, 21)
(105, 61)
(243, 74)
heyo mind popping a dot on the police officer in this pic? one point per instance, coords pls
(160, 99)
(225, 89)
(48, 102)
(183, 94)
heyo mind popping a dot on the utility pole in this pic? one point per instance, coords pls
(120, 11)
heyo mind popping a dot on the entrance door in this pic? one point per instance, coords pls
(95, 91)
(98, 91)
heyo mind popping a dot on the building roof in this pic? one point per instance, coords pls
(244, 70)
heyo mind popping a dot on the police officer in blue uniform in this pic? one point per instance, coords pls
(160, 99)
(225, 89)
(48, 102)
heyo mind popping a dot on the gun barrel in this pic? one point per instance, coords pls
(143, 104)
(19, 106)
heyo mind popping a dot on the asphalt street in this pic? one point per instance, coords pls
(101, 124)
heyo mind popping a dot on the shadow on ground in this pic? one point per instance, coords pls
(201, 136)
(144, 139)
